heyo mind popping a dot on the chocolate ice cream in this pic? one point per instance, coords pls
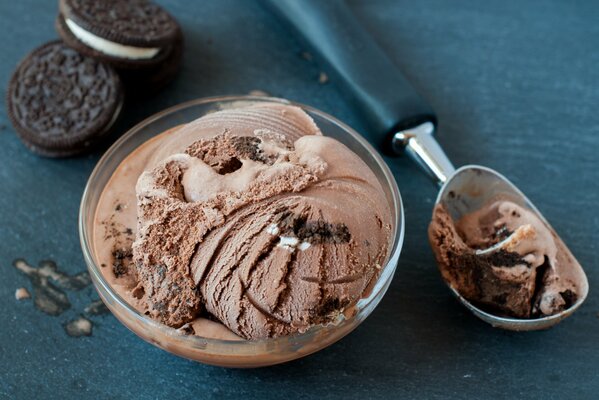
(504, 259)
(249, 218)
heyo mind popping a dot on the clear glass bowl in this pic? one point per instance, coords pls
(229, 353)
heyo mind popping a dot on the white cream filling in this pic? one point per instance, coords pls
(288, 242)
(108, 47)
(304, 246)
(291, 243)
(273, 229)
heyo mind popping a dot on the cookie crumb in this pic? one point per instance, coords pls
(323, 78)
(22, 294)
(78, 327)
(307, 56)
(96, 307)
(261, 93)
(122, 259)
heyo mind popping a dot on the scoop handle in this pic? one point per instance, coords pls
(377, 87)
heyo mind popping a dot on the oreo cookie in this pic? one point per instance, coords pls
(128, 34)
(61, 102)
(149, 80)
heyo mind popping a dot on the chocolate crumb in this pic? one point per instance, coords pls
(122, 259)
(96, 307)
(314, 231)
(541, 272)
(119, 269)
(247, 146)
(505, 258)
(121, 254)
(118, 207)
(330, 306)
(569, 297)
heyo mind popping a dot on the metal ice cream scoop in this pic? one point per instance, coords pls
(407, 124)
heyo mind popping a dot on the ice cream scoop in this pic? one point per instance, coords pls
(406, 123)
(466, 191)
(555, 285)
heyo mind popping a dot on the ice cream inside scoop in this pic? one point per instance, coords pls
(253, 219)
(505, 259)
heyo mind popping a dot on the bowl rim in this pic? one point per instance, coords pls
(199, 341)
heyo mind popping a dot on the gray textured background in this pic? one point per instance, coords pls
(516, 87)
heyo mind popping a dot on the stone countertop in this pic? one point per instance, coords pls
(515, 86)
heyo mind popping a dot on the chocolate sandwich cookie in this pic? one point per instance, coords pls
(126, 34)
(149, 80)
(61, 102)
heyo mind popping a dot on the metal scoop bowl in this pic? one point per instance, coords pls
(468, 189)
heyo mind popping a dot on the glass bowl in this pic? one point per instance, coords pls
(229, 353)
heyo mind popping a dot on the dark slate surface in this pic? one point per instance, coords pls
(516, 87)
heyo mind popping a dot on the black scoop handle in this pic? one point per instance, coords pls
(375, 84)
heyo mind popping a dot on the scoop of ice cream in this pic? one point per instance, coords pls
(505, 259)
(260, 221)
